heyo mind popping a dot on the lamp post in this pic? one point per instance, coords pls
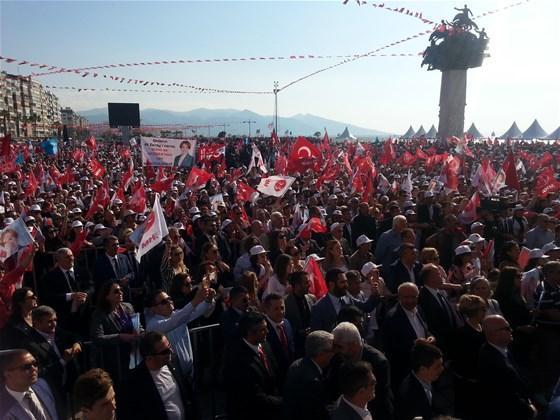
(249, 122)
(276, 90)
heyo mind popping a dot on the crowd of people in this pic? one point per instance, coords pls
(394, 297)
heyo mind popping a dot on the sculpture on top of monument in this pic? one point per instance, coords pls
(453, 46)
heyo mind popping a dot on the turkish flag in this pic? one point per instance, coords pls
(6, 145)
(137, 201)
(325, 145)
(198, 178)
(408, 158)
(511, 172)
(101, 198)
(244, 192)
(125, 153)
(7, 165)
(420, 154)
(304, 156)
(281, 165)
(274, 139)
(96, 168)
(32, 185)
(546, 183)
(468, 215)
(78, 243)
(163, 184)
(78, 155)
(389, 153)
(91, 143)
(329, 174)
(313, 225)
(317, 285)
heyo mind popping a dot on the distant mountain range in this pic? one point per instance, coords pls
(300, 124)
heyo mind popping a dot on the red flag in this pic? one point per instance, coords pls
(6, 145)
(7, 165)
(91, 143)
(78, 243)
(420, 154)
(511, 172)
(78, 155)
(96, 168)
(546, 183)
(389, 153)
(317, 285)
(274, 139)
(346, 163)
(244, 192)
(303, 156)
(546, 159)
(523, 258)
(150, 174)
(329, 174)
(313, 225)
(163, 184)
(198, 178)
(32, 185)
(281, 165)
(137, 201)
(125, 153)
(325, 145)
(408, 158)
(468, 215)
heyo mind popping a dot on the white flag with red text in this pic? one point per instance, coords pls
(151, 232)
(275, 186)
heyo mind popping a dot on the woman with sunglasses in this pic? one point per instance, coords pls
(14, 334)
(172, 264)
(112, 330)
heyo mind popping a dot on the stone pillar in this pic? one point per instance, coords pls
(452, 101)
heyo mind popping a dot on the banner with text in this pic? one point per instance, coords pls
(160, 151)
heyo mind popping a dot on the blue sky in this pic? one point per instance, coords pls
(518, 82)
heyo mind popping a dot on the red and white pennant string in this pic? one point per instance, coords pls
(402, 10)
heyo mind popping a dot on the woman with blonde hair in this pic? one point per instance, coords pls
(334, 257)
(172, 264)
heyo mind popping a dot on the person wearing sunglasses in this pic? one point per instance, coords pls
(155, 388)
(23, 395)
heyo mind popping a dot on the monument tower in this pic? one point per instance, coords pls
(454, 49)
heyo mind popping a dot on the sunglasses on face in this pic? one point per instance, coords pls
(27, 366)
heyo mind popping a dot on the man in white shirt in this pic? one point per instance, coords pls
(358, 389)
(154, 389)
(22, 395)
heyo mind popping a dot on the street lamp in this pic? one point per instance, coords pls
(249, 122)
(276, 90)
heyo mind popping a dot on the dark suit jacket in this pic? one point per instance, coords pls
(439, 323)
(54, 287)
(304, 397)
(14, 334)
(363, 225)
(229, 323)
(10, 409)
(382, 406)
(293, 315)
(424, 214)
(104, 271)
(323, 314)
(283, 359)
(504, 392)
(412, 400)
(397, 337)
(397, 274)
(251, 390)
(142, 399)
(344, 412)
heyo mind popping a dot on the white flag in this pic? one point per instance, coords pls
(407, 183)
(275, 186)
(14, 237)
(151, 232)
(499, 182)
(257, 160)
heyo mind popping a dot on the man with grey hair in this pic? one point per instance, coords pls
(304, 385)
(350, 347)
(389, 241)
(56, 351)
(66, 290)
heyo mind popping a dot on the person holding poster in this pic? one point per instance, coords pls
(185, 160)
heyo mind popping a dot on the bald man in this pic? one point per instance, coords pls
(504, 393)
(402, 326)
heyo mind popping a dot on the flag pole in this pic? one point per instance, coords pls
(276, 90)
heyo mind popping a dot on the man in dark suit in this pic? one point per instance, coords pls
(280, 335)
(403, 325)
(22, 388)
(438, 312)
(56, 352)
(351, 348)
(429, 216)
(504, 393)
(298, 309)
(66, 291)
(154, 389)
(250, 373)
(405, 269)
(113, 267)
(357, 383)
(238, 305)
(363, 224)
(304, 394)
(325, 311)
(415, 395)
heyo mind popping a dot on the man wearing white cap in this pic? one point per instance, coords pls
(362, 254)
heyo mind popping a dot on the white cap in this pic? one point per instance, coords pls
(315, 257)
(257, 250)
(548, 210)
(35, 207)
(100, 226)
(463, 249)
(194, 210)
(29, 219)
(333, 197)
(179, 226)
(475, 238)
(409, 212)
(88, 224)
(77, 224)
(367, 267)
(477, 225)
(551, 246)
(335, 225)
(140, 218)
(537, 253)
(117, 201)
(337, 213)
(8, 220)
(196, 217)
(226, 223)
(363, 239)
(76, 210)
